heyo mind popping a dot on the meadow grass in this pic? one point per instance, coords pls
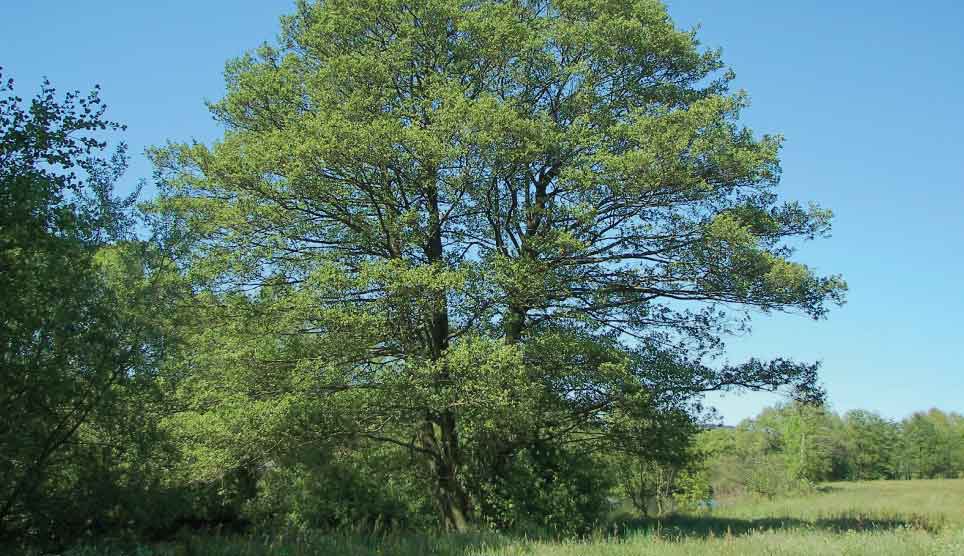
(864, 518)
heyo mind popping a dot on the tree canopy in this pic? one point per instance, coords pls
(470, 227)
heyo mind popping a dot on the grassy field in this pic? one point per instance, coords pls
(872, 518)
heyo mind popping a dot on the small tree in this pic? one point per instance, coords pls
(67, 345)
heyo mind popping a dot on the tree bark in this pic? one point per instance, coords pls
(514, 324)
(439, 435)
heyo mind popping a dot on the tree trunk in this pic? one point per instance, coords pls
(439, 434)
(514, 324)
(439, 437)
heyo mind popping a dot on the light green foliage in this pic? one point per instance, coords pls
(792, 447)
(470, 228)
(660, 488)
(805, 431)
(784, 449)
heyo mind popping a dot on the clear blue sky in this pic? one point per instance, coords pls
(869, 94)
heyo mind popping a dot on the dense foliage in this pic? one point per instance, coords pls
(496, 236)
(79, 350)
(454, 264)
(796, 446)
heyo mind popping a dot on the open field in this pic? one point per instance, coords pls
(873, 518)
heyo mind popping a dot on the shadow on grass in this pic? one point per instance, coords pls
(682, 527)
(713, 526)
(199, 543)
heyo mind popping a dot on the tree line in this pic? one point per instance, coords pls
(449, 261)
(792, 448)
(797, 446)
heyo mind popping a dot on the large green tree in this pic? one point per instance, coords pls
(467, 226)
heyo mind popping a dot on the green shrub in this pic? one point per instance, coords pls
(368, 492)
(543, 488)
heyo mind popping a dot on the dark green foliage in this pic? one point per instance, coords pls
(369, 490)
(544, 488)
(871, 445)
(932, 445)
(84, 322)
(69, 351)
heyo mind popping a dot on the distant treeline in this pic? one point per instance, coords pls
(798, 445)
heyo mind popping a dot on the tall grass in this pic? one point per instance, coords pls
(869, 518)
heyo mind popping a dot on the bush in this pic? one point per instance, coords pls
(370, 492)
(543, 488)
